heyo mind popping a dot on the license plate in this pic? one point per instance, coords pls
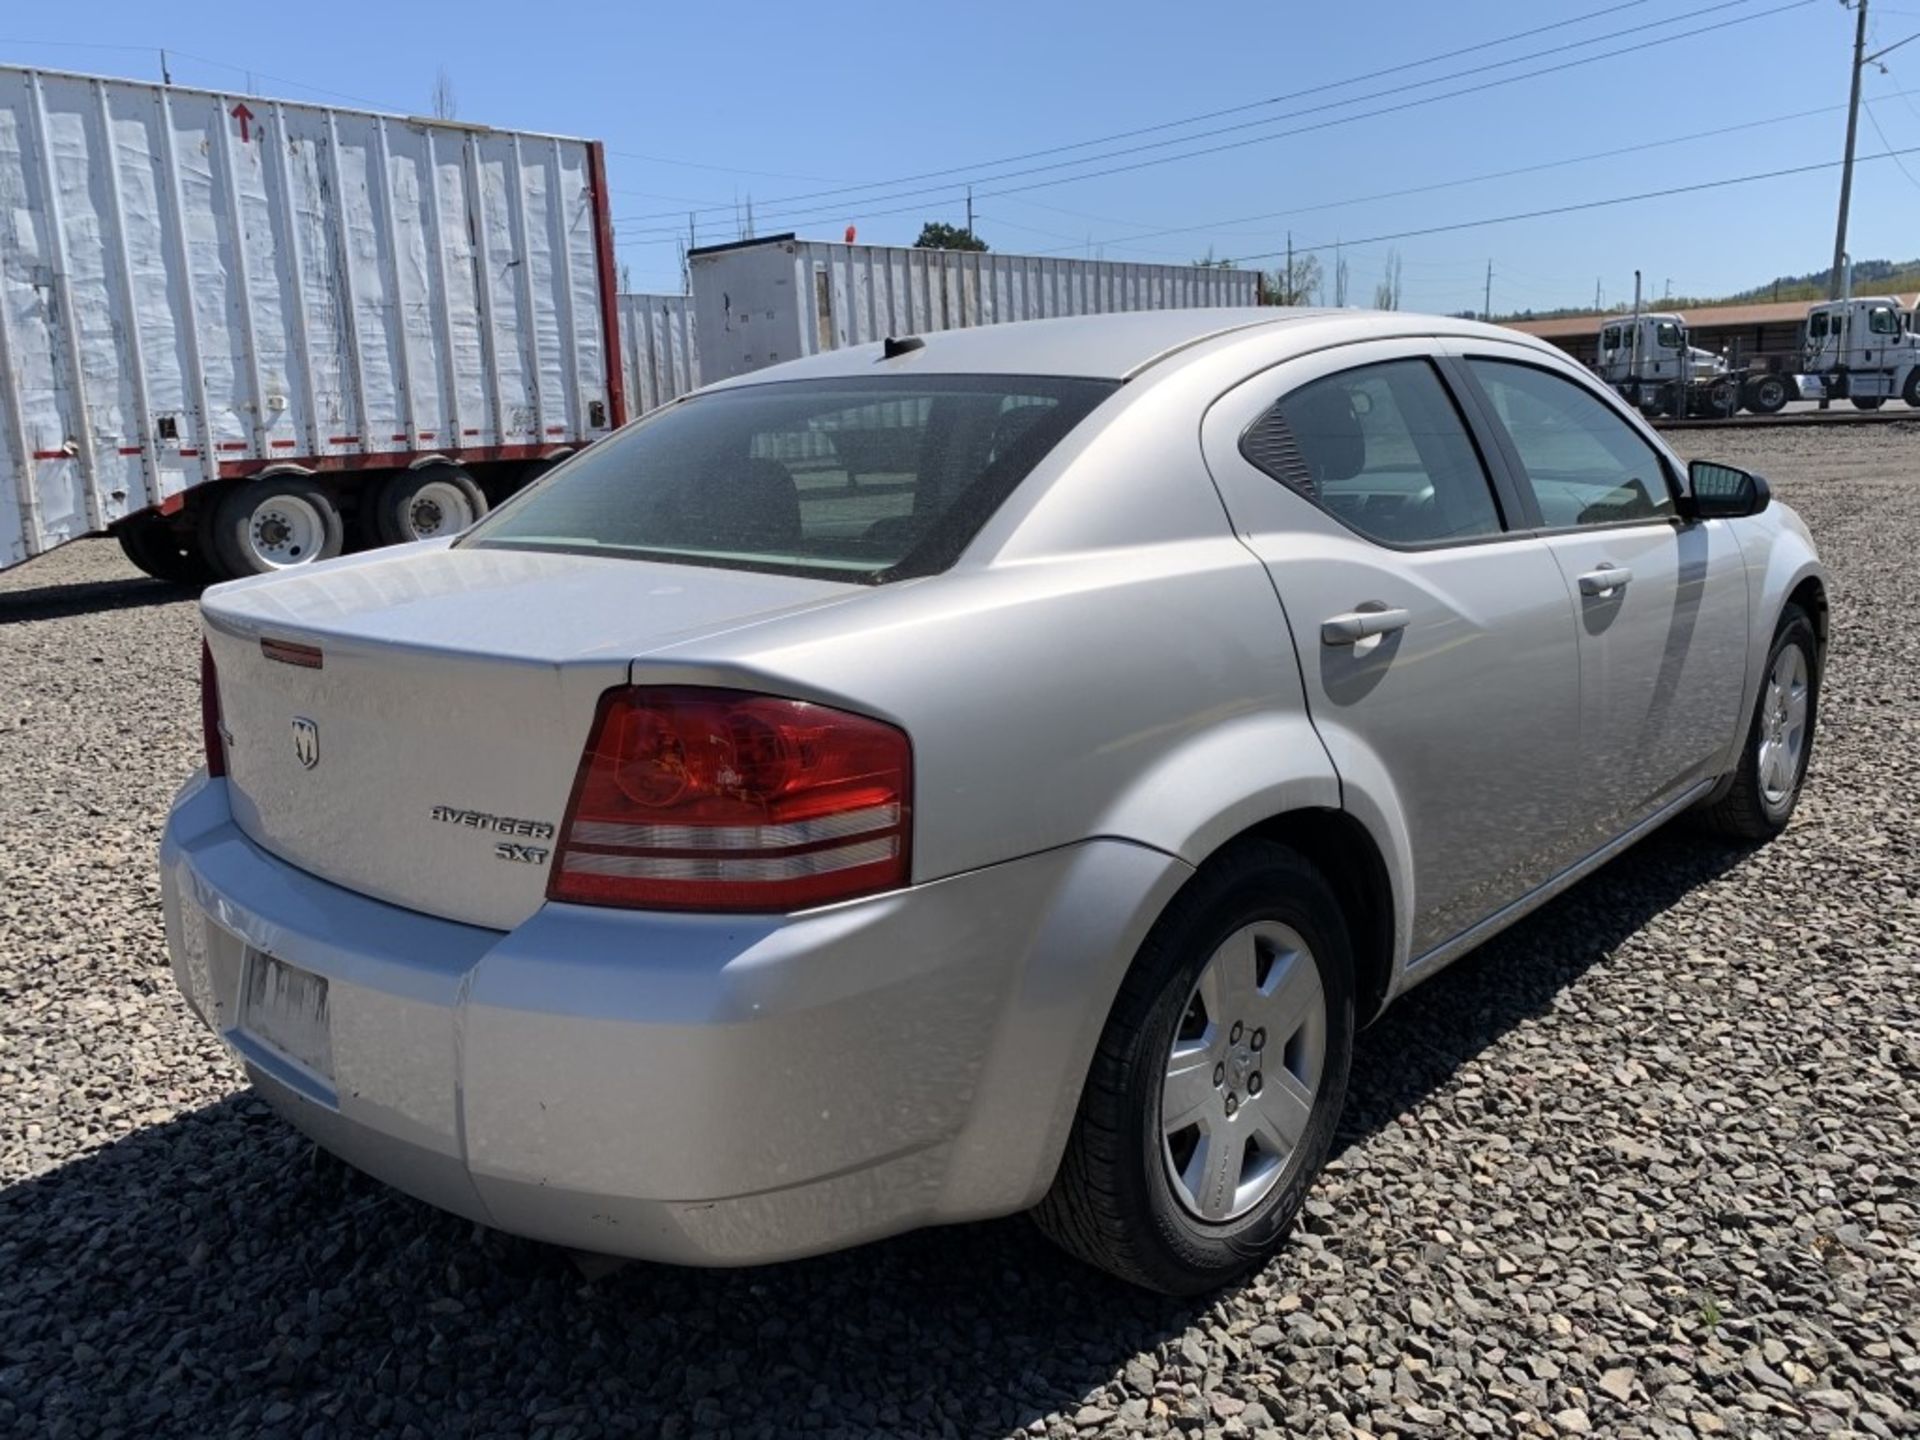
(285, 1008)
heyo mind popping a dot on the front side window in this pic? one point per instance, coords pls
(1584, 464)
(866, 479)
(1383, 450)
(1817, 325)
(1882, 320)
(1611, 340)
(1668, 336)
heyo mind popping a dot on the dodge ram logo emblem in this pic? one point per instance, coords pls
(306, 742)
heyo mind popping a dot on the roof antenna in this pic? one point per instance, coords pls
(897, 345)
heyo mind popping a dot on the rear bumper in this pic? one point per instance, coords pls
(695, 1089)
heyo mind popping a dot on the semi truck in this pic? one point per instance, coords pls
(1861, 349)
(1651, 360)
(240, 333)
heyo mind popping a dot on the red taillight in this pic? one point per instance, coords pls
(210, 713)
(695, 799)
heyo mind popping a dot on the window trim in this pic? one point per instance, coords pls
(1496, 489)
(1509, 453)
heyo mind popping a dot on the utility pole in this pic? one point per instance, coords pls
(1861, 60)
(1596, 294)
(166, 75)
(1486, 305)
(969, 212)
(1846, 167)
(1288, 298)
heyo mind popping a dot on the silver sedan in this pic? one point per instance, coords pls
(998, 772)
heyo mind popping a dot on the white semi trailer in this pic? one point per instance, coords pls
(241, 334)
(235, 330)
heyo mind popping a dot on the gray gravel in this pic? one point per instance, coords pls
(1647, 1165)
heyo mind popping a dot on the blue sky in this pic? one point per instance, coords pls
(705, 106)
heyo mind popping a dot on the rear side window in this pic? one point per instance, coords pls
(1382, 449)
(860, 479)
(1584, 463)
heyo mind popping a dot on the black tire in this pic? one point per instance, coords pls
(1910, 392)
(260, 526)
(1744, 811)
(1113, 1203)
(1868, 402)
(430, 503)
(160, 546)
(1768, 394)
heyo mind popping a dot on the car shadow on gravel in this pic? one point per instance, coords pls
(216, 1273)
(55, 602)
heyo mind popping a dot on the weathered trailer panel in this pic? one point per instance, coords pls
(659, 359)
(759, 302)
(196, 286)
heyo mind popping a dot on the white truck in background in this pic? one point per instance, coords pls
(1862, 349)
(235, 330)
(1643, 355)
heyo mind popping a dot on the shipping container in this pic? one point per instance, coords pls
(210, 301)
(659, 360)
(759, 302)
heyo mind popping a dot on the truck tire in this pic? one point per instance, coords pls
(260, 526)
(160, 547)
(1868, 402)
(430, 503)
(1768, 394)
(1910, 392)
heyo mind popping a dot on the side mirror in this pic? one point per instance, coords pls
(1723, 492)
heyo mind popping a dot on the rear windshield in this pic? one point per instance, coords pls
(867, 479)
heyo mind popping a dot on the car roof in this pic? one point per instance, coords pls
(1113, 346)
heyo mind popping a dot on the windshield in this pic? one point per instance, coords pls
(867, 479)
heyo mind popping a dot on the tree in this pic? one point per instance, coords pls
(445, 103)
(1386, 295)
(1298, 286)
(938, 235)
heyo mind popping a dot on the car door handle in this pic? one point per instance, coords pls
(1605, 580)
(1358, 625)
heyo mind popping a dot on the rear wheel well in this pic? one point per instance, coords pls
(1342, 848)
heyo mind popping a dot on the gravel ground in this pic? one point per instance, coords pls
(1645, 1165)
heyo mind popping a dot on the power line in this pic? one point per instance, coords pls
(973, 170)
(1485, 176)
(1583, 205)
(800, 219)
(1874, 120)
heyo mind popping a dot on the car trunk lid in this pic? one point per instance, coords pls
(409, 725)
